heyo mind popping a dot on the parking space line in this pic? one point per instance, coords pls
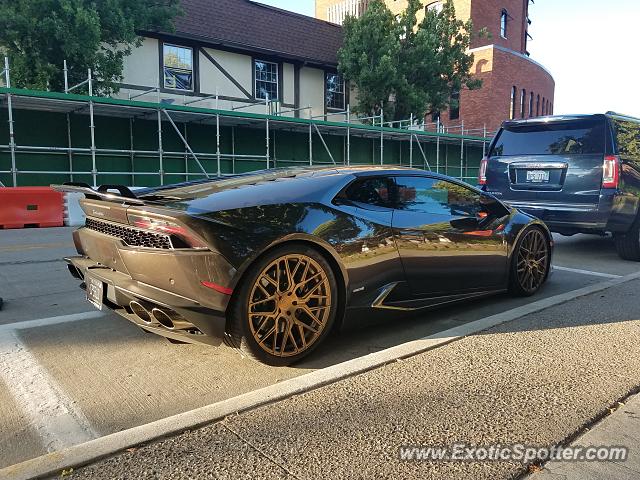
(22, 248)
(51, 413)
(45, 322)
(586, 272)
(93, 450)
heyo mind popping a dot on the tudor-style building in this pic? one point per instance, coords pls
(246, 53)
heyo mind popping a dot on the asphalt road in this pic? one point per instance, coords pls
(535, 381)
(91, 375)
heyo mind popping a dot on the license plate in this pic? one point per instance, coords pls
(537, 176)
(95, 291)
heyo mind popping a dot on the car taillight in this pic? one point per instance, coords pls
(482, 173)
(611, 171)
(169, 228)
(218, 288)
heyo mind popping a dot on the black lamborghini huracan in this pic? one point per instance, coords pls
(272, 261)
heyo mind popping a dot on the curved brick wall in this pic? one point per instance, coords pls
(500, 70)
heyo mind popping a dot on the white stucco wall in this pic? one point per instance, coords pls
(312, 90)
(288, 84)
(141, 67)
(238, 66)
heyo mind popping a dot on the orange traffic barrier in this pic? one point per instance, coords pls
(30, 207)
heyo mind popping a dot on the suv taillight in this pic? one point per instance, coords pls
(482, 173)
(611, 171)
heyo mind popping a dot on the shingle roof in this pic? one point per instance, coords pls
(261, 28)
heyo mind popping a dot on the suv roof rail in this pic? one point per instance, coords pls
(548, 118)
(616, 114)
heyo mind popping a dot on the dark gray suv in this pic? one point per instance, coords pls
(577, 173)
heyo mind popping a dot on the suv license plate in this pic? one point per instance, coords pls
(95, 289)
(537, 176)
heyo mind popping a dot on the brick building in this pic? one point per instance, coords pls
(514, 85)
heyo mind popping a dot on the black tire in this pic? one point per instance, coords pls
(257, 325)
(628, 244)
(530, 263)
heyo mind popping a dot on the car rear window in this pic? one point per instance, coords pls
(553, 138)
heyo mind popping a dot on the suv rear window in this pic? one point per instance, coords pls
(553, 138)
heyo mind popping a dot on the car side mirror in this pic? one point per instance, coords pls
(491, 206)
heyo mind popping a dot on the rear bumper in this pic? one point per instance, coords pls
(565, 217)
(198, 323)
(611, 214)
(167, 280)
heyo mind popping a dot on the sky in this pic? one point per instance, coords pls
(589, 46)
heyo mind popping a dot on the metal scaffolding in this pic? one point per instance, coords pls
(417, 134)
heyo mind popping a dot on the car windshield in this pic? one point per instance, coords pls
(552, 138)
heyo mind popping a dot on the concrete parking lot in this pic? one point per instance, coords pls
(69, 374)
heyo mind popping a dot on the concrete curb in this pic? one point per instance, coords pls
(596, 433)
(53, 463)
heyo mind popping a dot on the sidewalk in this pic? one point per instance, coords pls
(537, 380)
(622, 428)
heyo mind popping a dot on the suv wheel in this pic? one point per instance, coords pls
(628, 244)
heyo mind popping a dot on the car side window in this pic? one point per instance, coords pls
(370, 191)
(436, 196)
(628, 138)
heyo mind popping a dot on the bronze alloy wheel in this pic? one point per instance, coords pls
(532, 262)
(289, 305)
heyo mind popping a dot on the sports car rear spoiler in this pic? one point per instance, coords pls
(102, 193)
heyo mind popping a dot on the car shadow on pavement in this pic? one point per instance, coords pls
(373, 334)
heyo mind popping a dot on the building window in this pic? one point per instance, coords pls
(266, 80)
(454, 108)
(504, 20)
(523, 99)
(544, 103)
(177, 64)
(512, 104)
(531, 105)
(538, 106)
(334, 91)
(433, 7)
(338, 12)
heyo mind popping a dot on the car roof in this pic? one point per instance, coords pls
(401, 171)
(378, 170)
(318, 171)
(279, 177)
(355, 171)
(564, 118)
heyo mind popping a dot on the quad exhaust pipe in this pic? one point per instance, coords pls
(170, 319)
(150, 315)
(141, 312)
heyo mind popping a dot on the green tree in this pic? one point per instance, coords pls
(369, 57)
(38, 35)
(404, 66)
